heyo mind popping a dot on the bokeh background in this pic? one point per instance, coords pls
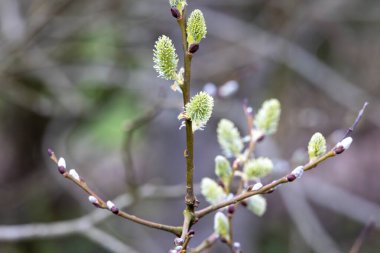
(75, 76)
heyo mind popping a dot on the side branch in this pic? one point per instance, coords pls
(100, 203)
(338, 149)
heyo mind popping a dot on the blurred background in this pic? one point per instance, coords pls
(77, 77)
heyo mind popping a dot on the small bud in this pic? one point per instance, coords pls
(173, 251)
(291, 177)
(178, 4)
(196, 27)
(175, 12)
(212, 192)
(50, 152)
(297, 172)
(93, 201)
(221, 225)
(259, 167)
(178, 248)
(231, 209)
(257, 204)
(199, 110)
(74, 174)
(257, 186)
(165, 58)
(236, 246)
(111, 206)
(223, 169)
(268, 116)
(62, 163)
(193, 48)
(317, 146)
(178, 241)
(229, 138)
(343, 145)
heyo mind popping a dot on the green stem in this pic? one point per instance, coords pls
(190, 198)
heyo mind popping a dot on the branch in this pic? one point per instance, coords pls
(97, 201)
(338, 149)
(358, 118)
(190, 198)
(206, 244)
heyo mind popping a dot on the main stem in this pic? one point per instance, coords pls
(190, 198)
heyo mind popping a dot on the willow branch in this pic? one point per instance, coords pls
(190, 198)
(271, 186)
(100, 203)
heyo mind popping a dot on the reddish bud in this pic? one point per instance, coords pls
(231, 209)
(175, 12)
(115, 210)
(291, 177)
(339, 150)
(50, 152)
(61, 169)
(193, 48)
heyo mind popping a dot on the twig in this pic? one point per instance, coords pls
(63, 228)
(358, 118)
(362, 236)
(100, 203)
(271, 186)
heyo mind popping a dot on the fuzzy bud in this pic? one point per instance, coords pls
(257, 186)
(343, 145)
(178, 241)
(268, 116)
(196, 27)
(221, 225)
(257, 205)
(165, 58)
(199, 110)
(111, 206)
(223, 169)
(298, 172)
(62, 163)
(212, 192)
(93, 200)
(178, 4)
(178, 248)
(259, 167)
(317, 146)
(74, 174)
(229, 138)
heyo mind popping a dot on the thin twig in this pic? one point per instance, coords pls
(86, 222)
(271, 186)
(206, 244)
(358, 118)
